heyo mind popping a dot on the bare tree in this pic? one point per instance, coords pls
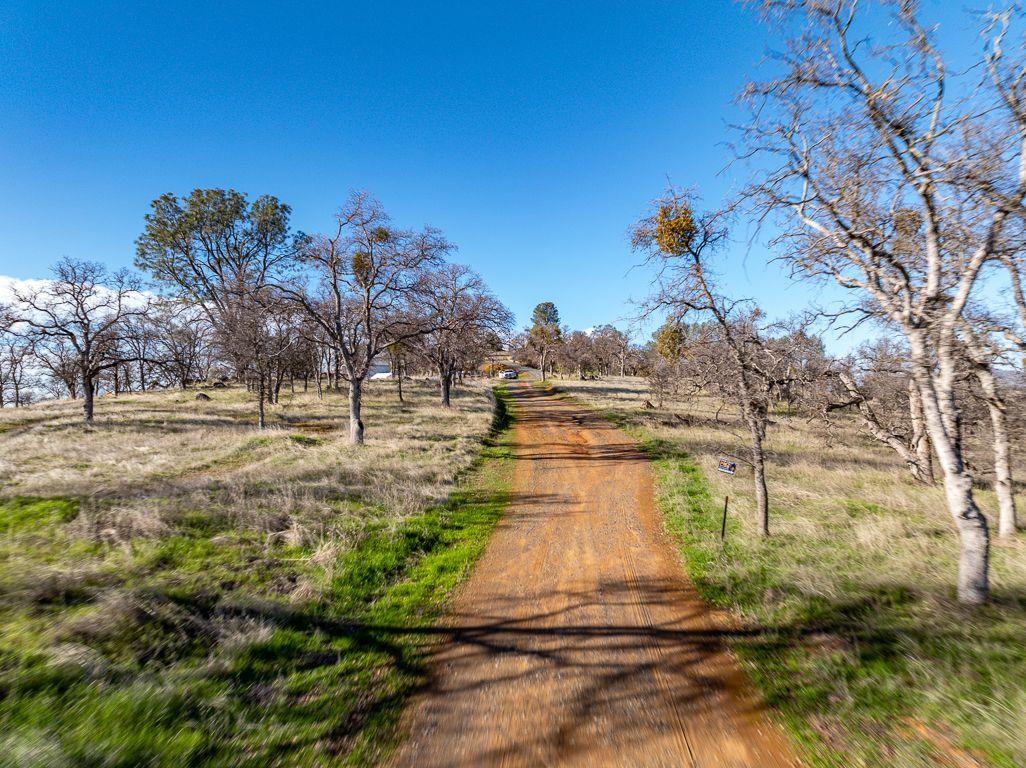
(900, 181)
(667, 356)
(876, 383)
(616, 344)
(56, 358)
(80, 317)
(459, 313)
(577, 353)
(363, 283)
(14, 358)
(520, 349)
(140, 353)
(182, 337)
(284, 334)
(397, 363)
(258, 332)
(735, 356)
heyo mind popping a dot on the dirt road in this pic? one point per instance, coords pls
(577, 640)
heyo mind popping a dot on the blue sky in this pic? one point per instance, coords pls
(531, 133)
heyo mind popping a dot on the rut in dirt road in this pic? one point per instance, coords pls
(577, 640)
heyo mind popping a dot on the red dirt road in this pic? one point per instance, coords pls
(577, 640)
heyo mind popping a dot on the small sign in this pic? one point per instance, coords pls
(727, 467)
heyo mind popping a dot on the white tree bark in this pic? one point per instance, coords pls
(1007, 522)
(757, 432)
(920, 437)
(942, 422)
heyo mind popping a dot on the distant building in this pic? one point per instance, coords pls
(496, 361)
(380, 367)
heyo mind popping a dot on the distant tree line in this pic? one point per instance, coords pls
(555, 349)
(226, 291)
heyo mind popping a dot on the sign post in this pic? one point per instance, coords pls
(728, 467)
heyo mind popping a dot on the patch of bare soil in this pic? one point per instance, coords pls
(577, 640)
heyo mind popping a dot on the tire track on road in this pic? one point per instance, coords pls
(577, 640)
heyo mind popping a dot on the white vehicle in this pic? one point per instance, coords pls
(509, 375)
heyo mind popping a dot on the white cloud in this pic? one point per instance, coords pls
(8, 285)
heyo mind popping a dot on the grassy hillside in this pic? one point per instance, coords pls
(178, 588)
(853, 633)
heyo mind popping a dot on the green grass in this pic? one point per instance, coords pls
(22, 513)
(864, 664)
(197, 648)
(845, 670)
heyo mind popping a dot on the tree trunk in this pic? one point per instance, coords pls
(940, 410)
(279, 380)
(1007, 518)
(261, 421)
(355, 402)
(445, 382)
(759, 475)
(974, 556)
(88, 391)
(922, 470)
(399, 381)
(1007, 523)
(543, 363)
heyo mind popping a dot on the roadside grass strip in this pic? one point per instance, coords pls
(864, 665)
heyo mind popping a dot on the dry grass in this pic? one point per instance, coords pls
(180, 588)
(821, 478)
(150, 458)
(861, 556)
